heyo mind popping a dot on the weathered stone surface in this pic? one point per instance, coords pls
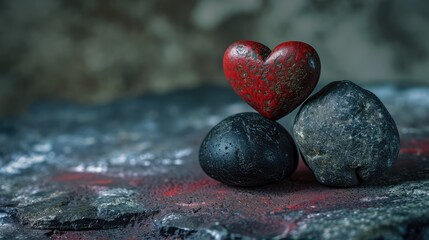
(345, 134)
(59, 210)
(247, 149)
(64, 157)
(274, 82)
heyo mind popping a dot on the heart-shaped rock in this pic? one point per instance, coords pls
(273, 82)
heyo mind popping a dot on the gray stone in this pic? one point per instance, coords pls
(345, 134)
(133, 165)
(82, 210)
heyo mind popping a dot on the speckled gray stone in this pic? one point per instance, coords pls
(109, 208)
(346, 135)
(129, 170)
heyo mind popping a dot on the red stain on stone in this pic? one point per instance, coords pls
(198, 185)
(415, 147)
(135, 182)
(71, 177)
(84, 178)
(273, 82)
(172, 191)
(102, 182)
(187, 187)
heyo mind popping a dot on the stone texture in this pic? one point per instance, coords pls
(274, 82)
(60, 210)
(247, 149)
(60, 158)
(345, 134)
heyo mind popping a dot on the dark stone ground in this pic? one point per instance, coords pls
(129, 170)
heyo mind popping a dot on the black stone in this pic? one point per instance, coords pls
(247, 149)
(346, 135)
(125, 170)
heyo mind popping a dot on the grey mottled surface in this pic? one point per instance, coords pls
(346, 135)
(129, 169)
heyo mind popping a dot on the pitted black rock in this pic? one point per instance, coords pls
(247, 149)
(346, 135)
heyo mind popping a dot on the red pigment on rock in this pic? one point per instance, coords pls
(188, 187)
(415, 147)
(273, 82)
(84, 178)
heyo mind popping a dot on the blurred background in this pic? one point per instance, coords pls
(94, 51)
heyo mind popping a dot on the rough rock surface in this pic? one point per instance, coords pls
(247, 149)
(66, 167)
(274, 82)
(345, 134)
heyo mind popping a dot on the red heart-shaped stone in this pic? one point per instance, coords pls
(273, 82)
